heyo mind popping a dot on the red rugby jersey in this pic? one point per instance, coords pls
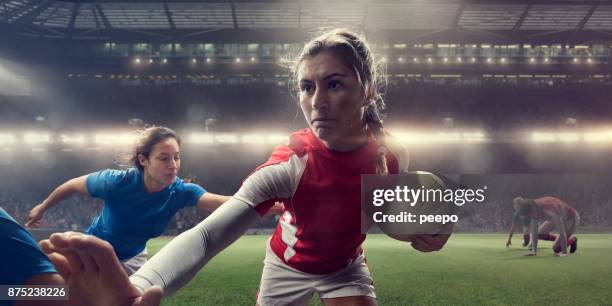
(553, 205)
(320, 231)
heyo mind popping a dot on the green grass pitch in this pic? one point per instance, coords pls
(472, 269)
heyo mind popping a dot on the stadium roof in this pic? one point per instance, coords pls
(224, 20)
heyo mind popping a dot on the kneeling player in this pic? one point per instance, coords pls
(517, 220)
(554, 214)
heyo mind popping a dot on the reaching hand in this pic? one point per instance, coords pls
(35, 216)
(93, 272)
(277, 209)
(429, 243)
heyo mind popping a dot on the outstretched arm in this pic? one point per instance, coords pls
(209, 201)
(65, 190)
(181, 259)
(509, 242)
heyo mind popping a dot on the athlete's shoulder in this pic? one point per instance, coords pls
(399, 150)
(548, 200)
(299, 144)
(302, 141)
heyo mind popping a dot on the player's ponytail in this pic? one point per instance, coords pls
(374, 122)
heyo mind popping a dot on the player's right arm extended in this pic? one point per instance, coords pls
(509, 241)
(63, 191)
(181, 259)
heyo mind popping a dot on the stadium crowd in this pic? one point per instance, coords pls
(588, 194)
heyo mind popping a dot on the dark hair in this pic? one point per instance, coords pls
(369, 72)
(527, 207)
(144, 144)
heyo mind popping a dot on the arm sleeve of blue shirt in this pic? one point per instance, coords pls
(101, 183)
(20, 257)
(194, 192)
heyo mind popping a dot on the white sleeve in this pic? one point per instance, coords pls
(181, 259)
(277, 181)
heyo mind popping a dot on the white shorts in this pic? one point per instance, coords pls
(132, 265)
(284, 285)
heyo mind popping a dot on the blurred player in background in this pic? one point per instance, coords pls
(518, 221)
(552, 213)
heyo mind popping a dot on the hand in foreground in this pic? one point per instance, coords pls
(93, 272)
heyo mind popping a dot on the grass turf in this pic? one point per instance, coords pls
(471, 269)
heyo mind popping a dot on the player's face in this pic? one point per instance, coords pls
(333, 100)
(164, 162)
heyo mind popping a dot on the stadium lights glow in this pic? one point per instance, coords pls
(540, 137)
(590, 61)
(252, 138)
(114, 138)
(441, 137)
(252, 59)
(473, 137)
(165, 60)
(36, 138)
(532, 60)
(429, 60)
(237, 60)
(150, 61)
(226, 138)
(473, 59)
(543, 137)
(137, 60)
(275, 139)
(489, 60)
(568, 137)
(416, 59)
(201, 138)
(400, 59)
(208, 59)
(76, 139)
(446, 136)
(605, 136)
(546, 59)
(445, 59)
(194, 60)
(503, 60)
(459, 60)
(575, 60)
(7, 139)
